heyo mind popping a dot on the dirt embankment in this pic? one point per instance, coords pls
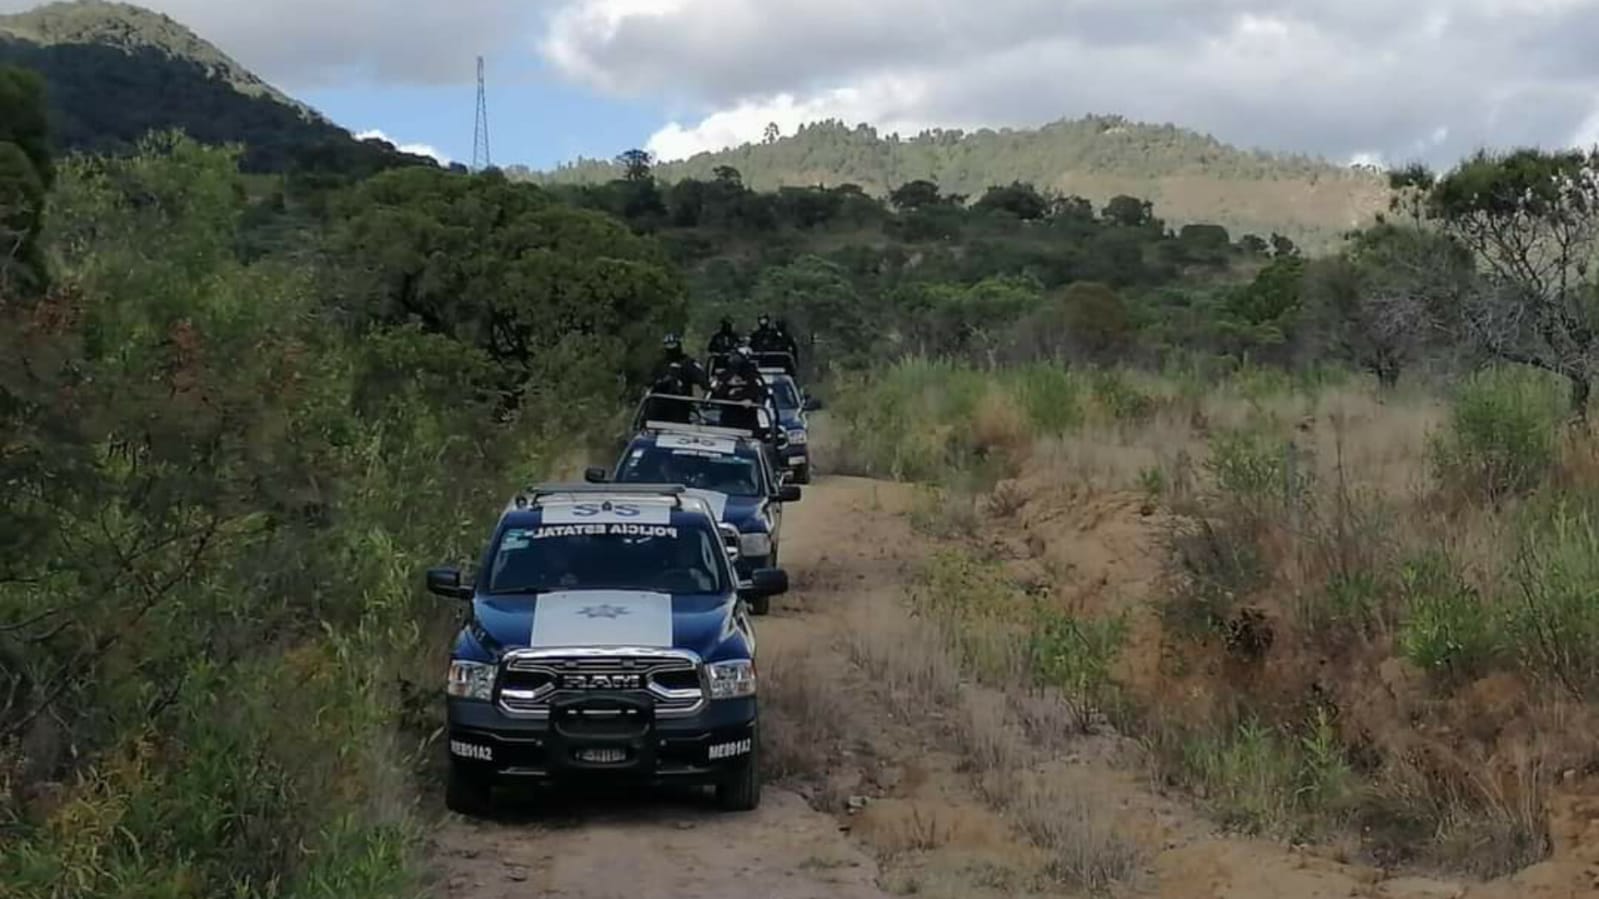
(900, 777)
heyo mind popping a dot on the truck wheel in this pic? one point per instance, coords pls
(760, 605)
(802, 475)
(741, 791)
(468, 792)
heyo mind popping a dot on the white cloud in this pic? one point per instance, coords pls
(1433, 79)
(888, 103)
(418, 149)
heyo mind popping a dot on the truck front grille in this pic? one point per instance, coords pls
(530, 679)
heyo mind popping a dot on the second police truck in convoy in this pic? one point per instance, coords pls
(729, 469)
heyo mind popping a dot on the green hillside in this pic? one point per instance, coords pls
(116, 71)
(1190, 177)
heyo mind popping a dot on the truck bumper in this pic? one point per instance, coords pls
(746, 565)
(629, 743)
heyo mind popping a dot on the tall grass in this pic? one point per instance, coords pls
(1377, 607)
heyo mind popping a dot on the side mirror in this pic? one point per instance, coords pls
(767, 582)
(595, 475)
(446, 582)
(812, 404)
(788, 493)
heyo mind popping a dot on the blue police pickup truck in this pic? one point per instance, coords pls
(791, 404)
(606, 638)
(726, 467)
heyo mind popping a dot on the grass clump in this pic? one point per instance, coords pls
(1501, 436)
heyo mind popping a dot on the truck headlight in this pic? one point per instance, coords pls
(732, 680)
(755, 545)
(470, 680)
(797, 437)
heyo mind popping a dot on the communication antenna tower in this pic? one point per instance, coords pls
(480, 135)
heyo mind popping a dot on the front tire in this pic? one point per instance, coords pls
(468, 792)
(802, 475)
(760, 605)
(741, 790)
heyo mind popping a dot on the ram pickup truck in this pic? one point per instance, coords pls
(792, 403)
(729, 469)
(606, 638)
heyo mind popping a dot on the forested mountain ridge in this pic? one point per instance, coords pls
(117, 71)
(1190, 177)
(133, 28)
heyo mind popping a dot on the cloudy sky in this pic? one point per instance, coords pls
(1370, 80)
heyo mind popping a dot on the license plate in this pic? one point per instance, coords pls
(602, 756)
(797, 461)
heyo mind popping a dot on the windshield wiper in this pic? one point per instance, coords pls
(506, 591)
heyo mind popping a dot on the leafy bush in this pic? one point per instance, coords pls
(1449, 628)
(1052, 396)
(1552, 615)
(1500, 439)
(1119, 398)
(1074, 654)
(1256, 470)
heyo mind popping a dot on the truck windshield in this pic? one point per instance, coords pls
(784, 393)
(658, 558)
(722, 472)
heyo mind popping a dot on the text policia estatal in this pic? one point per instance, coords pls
(621, 530)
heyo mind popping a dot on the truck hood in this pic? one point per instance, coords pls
(743, 512)
(599, 618)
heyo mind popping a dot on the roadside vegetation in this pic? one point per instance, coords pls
(224, 474)
(1365, 618)
(1365, 613)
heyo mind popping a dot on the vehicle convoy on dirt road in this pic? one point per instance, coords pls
(729, 469)
(608, 637)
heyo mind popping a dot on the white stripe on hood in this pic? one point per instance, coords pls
(602, 618)
(717, 500)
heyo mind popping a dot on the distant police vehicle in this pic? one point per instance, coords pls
(729, 470)
(605, 639)
(792, 404)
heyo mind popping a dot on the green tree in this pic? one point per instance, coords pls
(821, 307)
(1260, 317)
(1377, 303)
(916, 194)
(536, 285)
(1129, 212)
(1021, 200)
(637, 165)
(1531, 219)
(1097, 320)
(25, 176)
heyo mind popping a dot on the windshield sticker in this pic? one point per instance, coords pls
(514, 540)
(607, 512)
(592, 530)
(696, 441)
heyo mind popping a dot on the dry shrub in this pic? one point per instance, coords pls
(987, 737)
(801, 728)
(905, 655)
(1086, 849)
(1006, 500)
(1001, 433)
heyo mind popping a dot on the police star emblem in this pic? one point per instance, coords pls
(604, 610)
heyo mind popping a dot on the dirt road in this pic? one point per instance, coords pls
(904, 814)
